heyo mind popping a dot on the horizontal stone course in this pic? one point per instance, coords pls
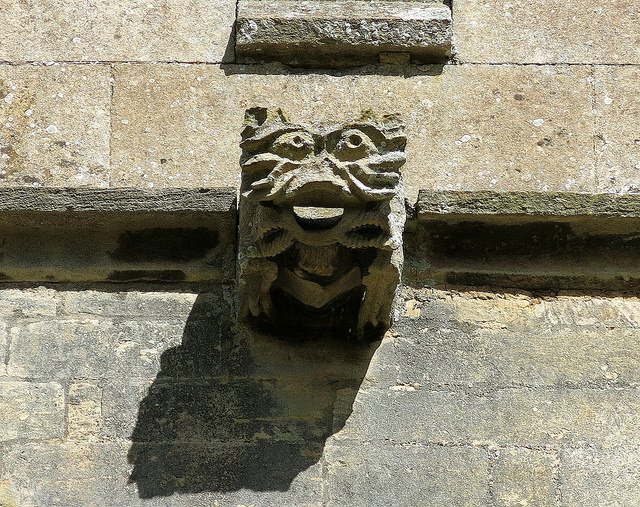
(90, 348)
(31, 410)
(150, 30)
(527, 417)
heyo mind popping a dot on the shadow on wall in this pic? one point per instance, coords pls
(231, 409)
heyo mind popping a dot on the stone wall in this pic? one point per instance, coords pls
(150, 395)
(474, 398)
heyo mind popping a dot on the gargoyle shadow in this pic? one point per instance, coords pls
(231, 409)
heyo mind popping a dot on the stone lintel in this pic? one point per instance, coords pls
(117, 235)
(534, 206)
(341, 33)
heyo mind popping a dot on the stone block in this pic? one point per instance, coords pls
(522, 417)
(28, 303)
(617, 108)
(90, 348)
(30, 410)
(84, 411)
(54, 123)
(494, 31)
(604, 478)
(472, 127)
(314, 33)
(477, 349)
(174, 30)
(406, 476)
(525, 477)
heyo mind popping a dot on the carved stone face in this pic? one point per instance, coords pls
(319, 202)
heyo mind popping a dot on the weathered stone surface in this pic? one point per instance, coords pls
(530, 205)
(526, 417)
(525, 477)
(132, 304)
(524, 32)
(604, 478)
(315, 33)
(471, 127)
(54, 124)
(406, 476)
(617, 107)
(483, 340)
(78, 200)
(28, 303)
(31, 410)
(84, 411)
(173, 30)
(203, 475)
(90, 348)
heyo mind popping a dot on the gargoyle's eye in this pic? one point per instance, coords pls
(354, 145)
(293, 145)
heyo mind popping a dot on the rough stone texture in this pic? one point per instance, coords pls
(54, 124)
(607, 479)
(473, 398)
(468, 127)
(496, 31)
(531, 206)
(321, 34)
(150, 30)
(89, 347)
(4, 348)
(31, 410)
(406, 476)
(616, 106)
(84, 411)
(523, 477)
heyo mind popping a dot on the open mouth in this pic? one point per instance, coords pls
(317, 218)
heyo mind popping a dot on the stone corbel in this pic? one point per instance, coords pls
(321, 220)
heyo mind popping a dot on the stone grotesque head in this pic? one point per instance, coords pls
(321, 220)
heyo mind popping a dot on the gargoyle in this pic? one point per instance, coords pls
(321, 220)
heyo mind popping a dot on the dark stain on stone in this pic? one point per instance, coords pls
(165, 244)
(133, 275)
(544, 142)
(486, 242)
(519, 96)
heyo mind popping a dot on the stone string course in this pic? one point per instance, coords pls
(473, 398)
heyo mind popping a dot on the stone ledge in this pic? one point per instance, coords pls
(527, 240)
(535, 206)
(117, 199)
(341, 33)
(117, 235)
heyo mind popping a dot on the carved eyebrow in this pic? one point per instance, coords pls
(366, 128)
(269, 134)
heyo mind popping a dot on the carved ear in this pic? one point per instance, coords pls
(257, 117)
